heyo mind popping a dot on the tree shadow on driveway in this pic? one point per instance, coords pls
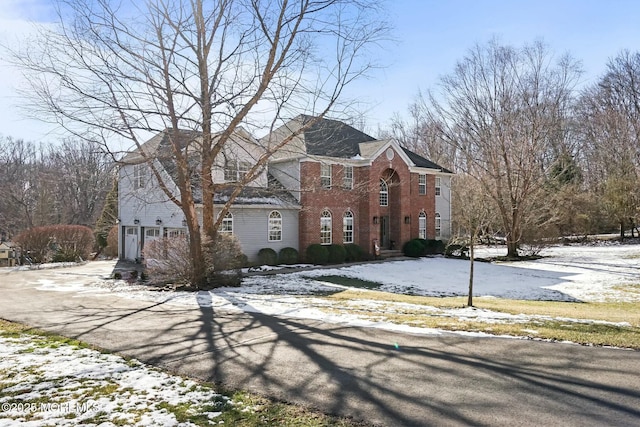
(378, 376)
(429, 380)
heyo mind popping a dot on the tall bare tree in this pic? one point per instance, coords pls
(505, 110)
(609, 113)
(119, 69)
(82, 175)
(19, 176)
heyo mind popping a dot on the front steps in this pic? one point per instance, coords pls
(390, 253)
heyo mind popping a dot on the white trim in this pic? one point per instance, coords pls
(391, 143)
(428, 171)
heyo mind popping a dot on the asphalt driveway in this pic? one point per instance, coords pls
(384, 378)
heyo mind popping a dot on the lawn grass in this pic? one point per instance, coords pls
(269, 413)
(44, 338)
(239, 408)
(553, 324)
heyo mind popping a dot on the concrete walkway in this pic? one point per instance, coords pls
(384, 378)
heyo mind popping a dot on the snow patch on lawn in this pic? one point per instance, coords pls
(46, 383)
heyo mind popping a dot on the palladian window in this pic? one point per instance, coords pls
(384, 193)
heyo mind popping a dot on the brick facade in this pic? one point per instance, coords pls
(399, 219)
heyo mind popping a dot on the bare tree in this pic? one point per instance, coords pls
(56, 184)
(19, 172)
(123, 70)
(505, 109)
(473, 218)
(419, 134)
(609, 112)
(83, 175)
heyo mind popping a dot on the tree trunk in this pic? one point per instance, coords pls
(199, 272)
(198, 264)
(621, 230)
(471, 258)
(512, 248)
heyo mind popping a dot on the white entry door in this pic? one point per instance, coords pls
(131, 243)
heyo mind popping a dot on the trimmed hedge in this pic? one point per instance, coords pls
(354, 252)
(288, 256)
(317, 254)
(267, 256)
(414, 248)
(337, 254)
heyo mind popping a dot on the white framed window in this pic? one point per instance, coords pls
(347, 227)
(139, 176)
(235, 170)
(438, 222)
(275, 226)
(226, 226)
(438, 183)
(422, 184)
(422, 225)
(384, 193)
(243, 170)
(230, 170)
(152, 232)
(347, 181)
(132, 230)
(325, 175)
(175, 232)
(325, 228)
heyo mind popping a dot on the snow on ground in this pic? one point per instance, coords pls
(47, 383)
(80, 384)
(566, 273)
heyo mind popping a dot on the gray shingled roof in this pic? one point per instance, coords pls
(333, 138)
(421, 162)
(275, 194)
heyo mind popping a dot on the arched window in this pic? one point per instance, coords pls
(325, 228)
(347, 227)
(384, 193)
(275, 226)
(437, 224)
(226, 227)
(422, 225)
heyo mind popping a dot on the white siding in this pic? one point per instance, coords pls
(250, 226)
(146, 205)
(288, 173)
(443, 206)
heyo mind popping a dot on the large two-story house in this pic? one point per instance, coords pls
(331, 183)
(355, 189)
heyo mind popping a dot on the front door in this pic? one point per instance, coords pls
(384, 232)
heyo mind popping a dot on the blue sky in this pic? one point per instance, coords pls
(431, 35)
